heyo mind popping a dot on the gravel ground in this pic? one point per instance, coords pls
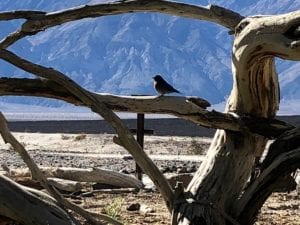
(91, 150)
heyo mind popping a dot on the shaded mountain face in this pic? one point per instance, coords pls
(120, 54)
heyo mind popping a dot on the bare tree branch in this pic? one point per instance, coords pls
(36, 87)
(178, 106)
(99, 107)
(12, 38)
(38, 20)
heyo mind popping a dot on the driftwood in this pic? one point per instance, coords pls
(94, 175)
(65, 185)
(60, 184)
(98, 176)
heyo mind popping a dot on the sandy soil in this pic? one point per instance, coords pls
(103, 144)
(91, 150)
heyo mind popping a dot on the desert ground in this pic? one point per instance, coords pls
(172, 154)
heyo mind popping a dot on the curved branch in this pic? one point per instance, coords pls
(213, 13)
(182, 107)
(39, 21)
(258, 38)
(99, 107)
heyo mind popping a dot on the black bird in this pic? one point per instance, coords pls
(162, 86)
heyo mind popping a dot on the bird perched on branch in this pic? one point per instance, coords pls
(162, 86)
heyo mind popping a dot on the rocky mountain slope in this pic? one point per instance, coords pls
(120, 54)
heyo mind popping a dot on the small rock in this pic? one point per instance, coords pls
(127, 157)
(193, 168)
(182, 170)
(166, 169)
(134, 207)
(173, 168)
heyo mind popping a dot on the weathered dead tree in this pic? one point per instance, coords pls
(221, 192)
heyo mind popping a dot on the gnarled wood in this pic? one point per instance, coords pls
(231, 157)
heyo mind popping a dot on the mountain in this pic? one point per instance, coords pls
(120, 54)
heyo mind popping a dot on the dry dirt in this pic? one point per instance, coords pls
(280, 208)
(81, 150)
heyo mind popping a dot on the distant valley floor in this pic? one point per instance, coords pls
(160, 127)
